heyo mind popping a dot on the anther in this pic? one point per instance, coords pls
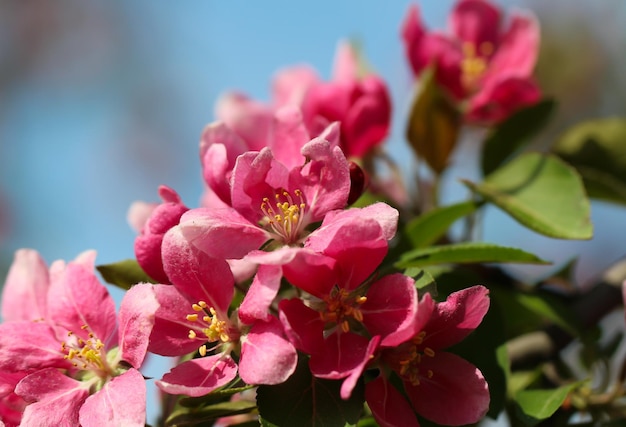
(429, 352)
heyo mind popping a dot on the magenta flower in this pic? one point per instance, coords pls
(271, 202)
(342, 318)
(193, 316)
(361, 104)
(440, 386)
(477, 61)
(80, 367)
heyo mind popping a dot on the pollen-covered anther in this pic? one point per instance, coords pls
(213, 329)
(429, 352)
(286, 217)
(85, 354)
(474, 63)
(341, 306)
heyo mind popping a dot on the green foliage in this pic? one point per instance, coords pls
(515, 132)
(542, 193)
(204, 414)
(433, 124)
(538, 404)
(124, 274)
(304, 400)
(466, 253)
(426, 229)
(597, 149)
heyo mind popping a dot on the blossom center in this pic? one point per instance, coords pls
(474, 63)
(285, 216)
(211, 327)
(341, 307)
(411, 358)
(86, 354)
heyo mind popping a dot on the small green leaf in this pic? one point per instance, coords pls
(124, 274)
(514, 133)
(306, 401)
(466, 253)
(428, 228)
(551, 308)
(433, 125)
(596, 148)
(539, 404)
(542, 193)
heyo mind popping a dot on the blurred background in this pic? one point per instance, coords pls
(101, 102)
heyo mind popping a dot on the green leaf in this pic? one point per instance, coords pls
(428, 228)
(514, 133)
(433, 125)
(466, 253)
(124, 274)
(539, 404)
(215, 396)
(188, 417)
(424, 282)
(542, 193)
(597, 149)
(304, 400)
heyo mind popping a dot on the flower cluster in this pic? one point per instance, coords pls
(277, 266)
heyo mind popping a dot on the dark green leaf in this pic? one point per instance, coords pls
(539, 404)
(124, 274)
(466, 253)
(213, 397)
(433, 125)
(306, 401)
(542, 193)
(430, 227)
(597, 149)
(189, 417)
(514, 133)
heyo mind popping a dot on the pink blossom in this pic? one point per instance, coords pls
(271, 202)
(79, 363)
(361, 103)
(155, 224)
(479, 61)
(193, 316)
(440, 386)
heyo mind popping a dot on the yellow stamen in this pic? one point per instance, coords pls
(287, 221)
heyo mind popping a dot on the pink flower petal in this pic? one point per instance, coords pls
(303, 325)
(267, 357)
(249, 119)
(517, 51)
(198, 377)
(220, 233)
(453, 380)
(136, 319)
(290, 85)
(501, 98)
(312, 272)
(340, 356)
(261, 294)
(195, 274)
(26, 286)
(290, 134)
(169, 336)
(76, 298)
(385, 215)
(388, 405)
(350, 382)
(390, 309)
(54, 399)
(456, 317)
(325, 179)
(26, 346)
(476, 22)
(121, 402)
